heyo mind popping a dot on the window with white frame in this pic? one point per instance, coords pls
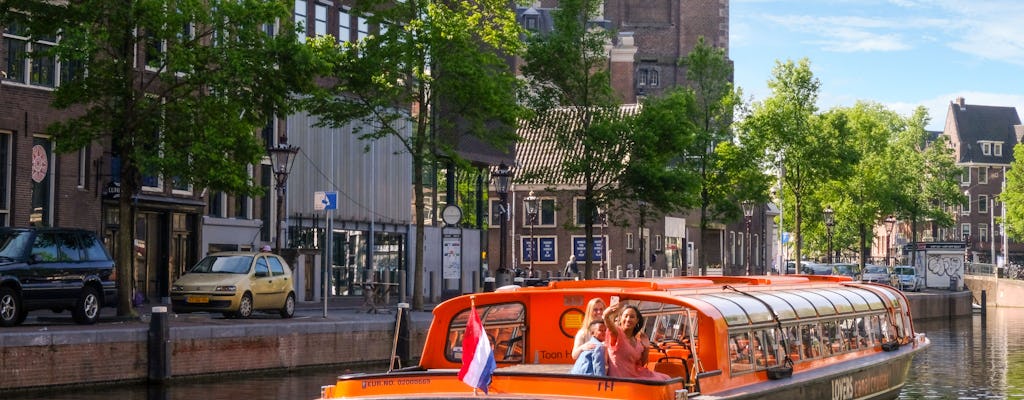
(982, 174)
(28, 61)
(362, 29)
(983, 232)
(982, 204)
(496, 213)
(319, 19)
(301, 19)
(986, 148)
(344, 26)
(997, 149)
(965, 176)
(629, 241)
(83, 165)
(965, 208)
(965, 231)
(657, 242)
(547, 212)
(5, 178)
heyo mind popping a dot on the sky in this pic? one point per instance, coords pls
(898, 53)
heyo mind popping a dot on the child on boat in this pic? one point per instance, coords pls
(592, 362)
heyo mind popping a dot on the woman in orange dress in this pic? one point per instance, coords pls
(627, 348)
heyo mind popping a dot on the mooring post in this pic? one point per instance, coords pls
(158, 345)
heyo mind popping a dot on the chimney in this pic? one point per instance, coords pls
(960, 102)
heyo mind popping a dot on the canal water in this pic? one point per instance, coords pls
(970, 358)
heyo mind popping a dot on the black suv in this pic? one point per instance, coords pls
(55, 269)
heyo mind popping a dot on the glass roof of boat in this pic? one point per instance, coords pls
(743, 308)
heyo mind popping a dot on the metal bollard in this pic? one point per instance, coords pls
(158, 345)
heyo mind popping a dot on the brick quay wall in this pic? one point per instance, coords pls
(37, 357)
(71, 355)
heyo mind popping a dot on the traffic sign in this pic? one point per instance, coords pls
(325, 200)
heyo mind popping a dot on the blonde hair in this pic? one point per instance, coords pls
(587, 319)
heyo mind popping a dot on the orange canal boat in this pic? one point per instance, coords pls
(760, 337)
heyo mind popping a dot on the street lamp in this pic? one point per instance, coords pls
(282, 156)
(829, 223)
(531, 213)
(748, 212)
(502, 178)
(890, 222)
(643, 250)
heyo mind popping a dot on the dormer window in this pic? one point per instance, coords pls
(986, 149)
(997, 149)
(530, 22)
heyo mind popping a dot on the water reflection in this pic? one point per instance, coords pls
(298, 385)
(969, 359)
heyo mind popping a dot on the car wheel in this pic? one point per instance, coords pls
(10, 308)
(245, 306)
(289, 306)
(87, 309)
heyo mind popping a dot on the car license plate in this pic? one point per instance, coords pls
(198, 299)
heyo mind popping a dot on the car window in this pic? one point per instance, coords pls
(904, 271)
(70, 248)
(93, 248)
(275, 266)
(261, 267)
(46, 247)
(14, 243)
(874, 270)
(224, 264)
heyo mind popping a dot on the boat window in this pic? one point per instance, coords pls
(740, 352)
(739, 309)
(505, 327)
(794, 344)
(831, 338)
(822, 304)
(765, 346)
(811, 340)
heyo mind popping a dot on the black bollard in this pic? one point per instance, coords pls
(158, 345)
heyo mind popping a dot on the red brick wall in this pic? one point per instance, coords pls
(91, 359)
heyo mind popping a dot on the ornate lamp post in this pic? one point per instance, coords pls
(502, 178)
(282, 156)
(643, 250)
(829, 223)
(748, 212)
(531, 213)
(890, 222)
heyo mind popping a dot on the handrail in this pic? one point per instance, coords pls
(786, 369)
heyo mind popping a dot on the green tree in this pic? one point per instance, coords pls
(726, 172)
(213, 76)
(931, 178)
(1013, 195)
(427, 58)
(787, 125)
(568, 69)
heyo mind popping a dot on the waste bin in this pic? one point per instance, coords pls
(489, 284)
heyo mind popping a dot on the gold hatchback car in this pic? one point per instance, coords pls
(236, 284)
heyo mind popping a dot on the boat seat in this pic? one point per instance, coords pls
(674, 367)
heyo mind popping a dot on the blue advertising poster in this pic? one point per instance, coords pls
(579, 248)
(529, 249)
(547, 249)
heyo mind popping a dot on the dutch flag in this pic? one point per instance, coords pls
(477, 355)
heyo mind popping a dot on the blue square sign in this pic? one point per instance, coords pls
(325, 201)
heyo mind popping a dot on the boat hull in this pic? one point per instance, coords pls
(880, 376)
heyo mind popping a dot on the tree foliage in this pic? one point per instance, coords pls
(432, 71)
(177, 89)
(726, 172)
(787, 125)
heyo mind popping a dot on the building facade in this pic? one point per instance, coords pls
(983, 138)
